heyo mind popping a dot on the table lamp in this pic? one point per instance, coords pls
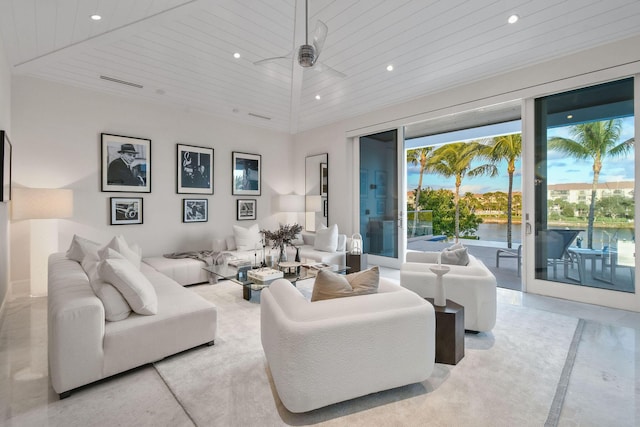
(42, 206)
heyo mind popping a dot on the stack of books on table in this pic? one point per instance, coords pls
(238, 262)
(262, 275)
(315, 267)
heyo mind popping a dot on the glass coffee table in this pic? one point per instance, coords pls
(293, 272)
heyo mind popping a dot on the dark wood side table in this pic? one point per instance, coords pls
(356, 262)
(449, 332)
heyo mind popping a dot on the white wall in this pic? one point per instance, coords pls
(5, 116)
(609, 62)
(57, 130)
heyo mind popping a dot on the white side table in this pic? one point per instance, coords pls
(440, 298)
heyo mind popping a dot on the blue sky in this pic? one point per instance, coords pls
(561, 169)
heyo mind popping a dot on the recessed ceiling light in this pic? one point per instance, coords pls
(389, 67)
(513, 19)
(96, 17)
(236, 55)
(317, 96)
(570, 116)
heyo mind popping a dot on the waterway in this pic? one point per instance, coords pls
(601, 236)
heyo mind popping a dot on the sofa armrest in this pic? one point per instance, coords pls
(76, 324)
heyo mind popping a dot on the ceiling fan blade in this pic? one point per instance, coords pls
(324, 68)
(319, 36)
(273, 59)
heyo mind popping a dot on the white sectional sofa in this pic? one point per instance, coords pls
(84, 347)
(329, 351)
(473, 286)
(188, 271)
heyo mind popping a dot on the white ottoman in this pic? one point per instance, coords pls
(185, 271)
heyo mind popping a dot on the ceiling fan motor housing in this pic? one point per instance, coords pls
(307, 55)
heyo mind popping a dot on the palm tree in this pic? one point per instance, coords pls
(509, 148)
(596, 141)
(418, 156)
(455, 160)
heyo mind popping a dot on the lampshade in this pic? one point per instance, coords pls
(314, 204)
(41, 203)
(291, 203)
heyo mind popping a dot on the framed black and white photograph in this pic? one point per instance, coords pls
(195, 170)
(195, 210)
(5, 173)
(126, 210)
(246, 209)
(126, 164)
(324, 179)
(325, 208)
(247, 172)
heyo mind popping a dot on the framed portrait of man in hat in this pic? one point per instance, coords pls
(126, 164)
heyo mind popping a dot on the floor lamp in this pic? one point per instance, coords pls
(43, 206)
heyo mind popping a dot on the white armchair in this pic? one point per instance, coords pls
(329, 351)
(473, 286)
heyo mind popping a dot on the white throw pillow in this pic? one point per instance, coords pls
(247, 239)
(231, 243)
(80, 247)
(130, 252)
(455, 255)
(115, 306)
(132, 284)
(326, 239)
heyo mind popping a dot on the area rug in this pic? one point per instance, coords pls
(507, 377)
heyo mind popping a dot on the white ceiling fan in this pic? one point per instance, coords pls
(308, 54)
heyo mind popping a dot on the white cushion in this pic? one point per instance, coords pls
(326, 239)
(115, 306)
(231, 243)
(247, 238)
(455, 255)
(130, 252)
(80, 247)
(131, 283)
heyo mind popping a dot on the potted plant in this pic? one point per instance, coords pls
(282, 237)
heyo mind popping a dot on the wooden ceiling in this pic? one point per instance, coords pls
(181, 52)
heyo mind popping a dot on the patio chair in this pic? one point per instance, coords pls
(554, 244)
(509, 253)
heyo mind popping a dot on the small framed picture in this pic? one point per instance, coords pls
(5, 167)
(195, 170)
(324, 179)
(126, 210)
(195, 210)
(325, 209)
(247, 172)
(126, 164)
(246, 209)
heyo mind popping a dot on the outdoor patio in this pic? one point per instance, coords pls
(507, 273)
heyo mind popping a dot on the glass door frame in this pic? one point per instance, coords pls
(401, 241)
(614, 299)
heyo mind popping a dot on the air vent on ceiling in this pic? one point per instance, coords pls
(122, 82)
(259, 116)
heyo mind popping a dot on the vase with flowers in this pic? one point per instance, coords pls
(282, 237)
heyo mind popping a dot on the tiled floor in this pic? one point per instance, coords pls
(602, 384)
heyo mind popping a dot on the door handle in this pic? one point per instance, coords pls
(527, 228)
